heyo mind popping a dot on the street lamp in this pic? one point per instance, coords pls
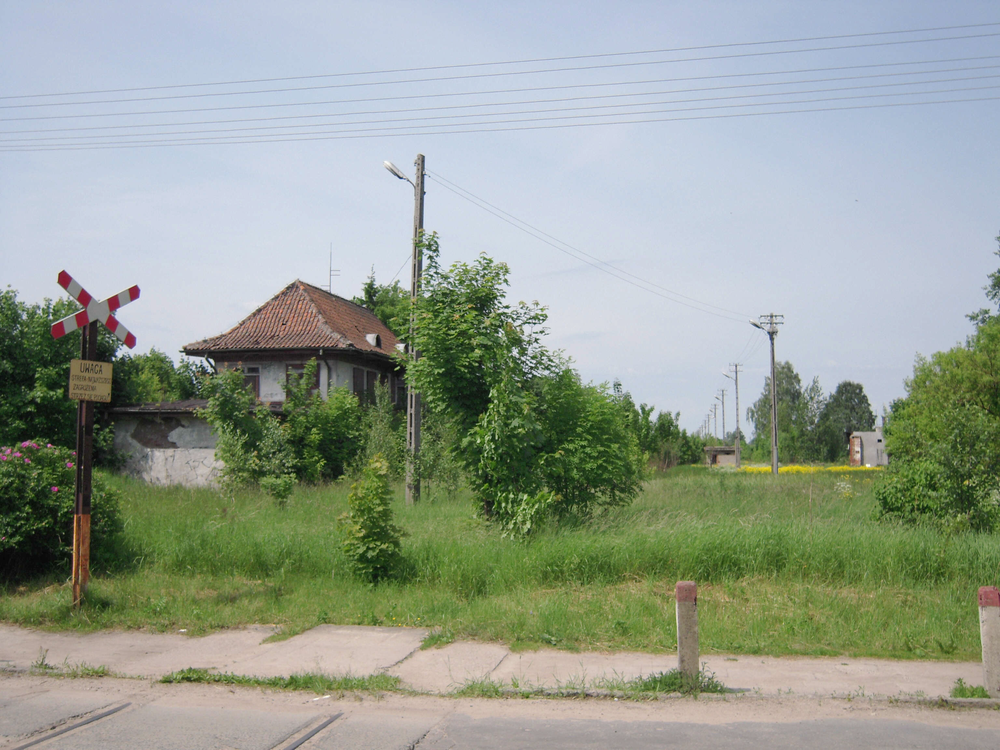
(772, 321)
(735, 377)
(416, 268)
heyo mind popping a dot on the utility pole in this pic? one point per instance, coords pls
(416, 269)
(722, 399)
(769, 324)
(412, 396)
(735, 377)
(715, 416)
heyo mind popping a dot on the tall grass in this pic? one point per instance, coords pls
(788, 564)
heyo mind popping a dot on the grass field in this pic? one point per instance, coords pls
(787, 565)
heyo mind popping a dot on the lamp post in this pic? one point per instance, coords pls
(735, 377)
(721, 398)
(772, 322)
(416, 268)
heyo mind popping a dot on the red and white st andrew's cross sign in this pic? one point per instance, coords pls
(95, 310)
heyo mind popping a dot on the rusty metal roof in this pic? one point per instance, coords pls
(302, 316)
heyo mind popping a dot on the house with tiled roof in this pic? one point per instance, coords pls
(170, 443)
(352, 347)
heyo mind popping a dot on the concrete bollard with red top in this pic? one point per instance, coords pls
(989, 633)
(687, 628)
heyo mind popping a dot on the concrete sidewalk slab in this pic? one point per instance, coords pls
(563, 669)
(361, 651)
(331, 649)
(129, 653)
(442, 670)
(840, 676)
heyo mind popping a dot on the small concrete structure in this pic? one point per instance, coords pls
(989, 633)
(167, 443)
(868, 449)
(720, 455)
(688, 652)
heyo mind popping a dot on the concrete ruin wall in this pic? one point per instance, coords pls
(168, 449)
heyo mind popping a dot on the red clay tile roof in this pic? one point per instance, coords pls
(301, 316)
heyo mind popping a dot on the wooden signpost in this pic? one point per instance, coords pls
(89, 381)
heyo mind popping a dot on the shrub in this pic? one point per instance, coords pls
(250, 441)
(371, 540)
(323, 434)
(37, 483)
(382, 433)
(557, 447)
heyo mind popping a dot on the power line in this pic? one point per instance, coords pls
(409, 120)
(545, 123)
(529, 61)
(561, 87)
(590, 260)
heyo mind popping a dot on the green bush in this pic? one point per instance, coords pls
(534, 440)
(37, 484)
(371, 540)
(382, 433)
(323, 434)
(249, 440)
(557, 447)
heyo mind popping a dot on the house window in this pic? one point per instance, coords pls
(400, 392)
(299, 370)
(251, 379)
(364, 384)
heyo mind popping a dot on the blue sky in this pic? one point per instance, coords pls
(872, 230)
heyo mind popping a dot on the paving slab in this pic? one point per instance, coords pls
(129, 653)
(840, 676)
(442, 670)
(563, 669)
(331, 649)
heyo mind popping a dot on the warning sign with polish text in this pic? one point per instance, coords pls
(90, 381)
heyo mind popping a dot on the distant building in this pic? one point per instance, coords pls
(720, 455)
(868, 449)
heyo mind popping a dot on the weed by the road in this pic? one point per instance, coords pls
(320, 684)
(676, 681)
(437, 638)
(41, 666)
(961, 690)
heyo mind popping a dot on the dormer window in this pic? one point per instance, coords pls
(374, 339)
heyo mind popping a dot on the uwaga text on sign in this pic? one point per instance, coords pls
(90, 381)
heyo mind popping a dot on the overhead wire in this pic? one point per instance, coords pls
(501, 126)
(596, 97)
(510, 62)
(587, 258)
(453, 94)
(587, 108)
(499, 74)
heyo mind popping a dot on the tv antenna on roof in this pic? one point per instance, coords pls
(333, 272)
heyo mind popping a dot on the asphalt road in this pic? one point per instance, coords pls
(107, 714)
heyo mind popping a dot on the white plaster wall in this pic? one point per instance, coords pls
(189, 467)
(191, 462)
(272, 381)
(342, 374)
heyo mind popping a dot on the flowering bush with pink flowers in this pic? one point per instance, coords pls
(37, 486)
